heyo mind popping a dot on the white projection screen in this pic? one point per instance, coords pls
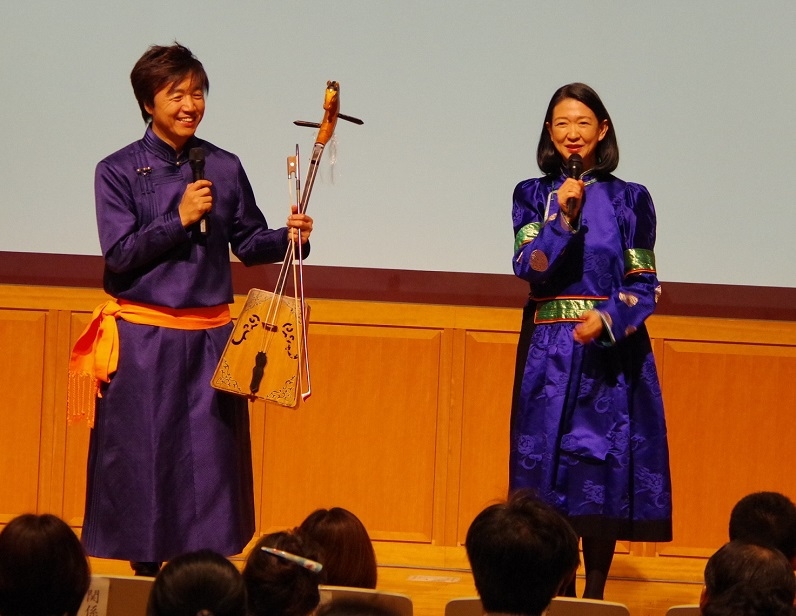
(702, 95)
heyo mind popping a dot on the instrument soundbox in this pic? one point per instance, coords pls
(262, 359)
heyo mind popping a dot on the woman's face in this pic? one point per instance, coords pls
(575, 129)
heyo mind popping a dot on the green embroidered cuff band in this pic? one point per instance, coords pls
(639, 260)
(526, 234)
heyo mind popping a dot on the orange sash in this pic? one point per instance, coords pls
(95, 355)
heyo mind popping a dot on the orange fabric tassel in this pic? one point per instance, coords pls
(95, 355)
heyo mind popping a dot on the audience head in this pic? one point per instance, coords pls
(742, 579)
(767, 519)
(346, 550)
(277, 586)
(522, 553)
(354, 607)
(200, 583)
(43, 567)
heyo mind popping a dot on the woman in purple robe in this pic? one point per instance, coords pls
(169, 466)
(587, 428)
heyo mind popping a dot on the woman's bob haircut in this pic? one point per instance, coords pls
(548, 158)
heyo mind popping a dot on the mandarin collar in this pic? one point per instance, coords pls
(164, 151)
(589, 177)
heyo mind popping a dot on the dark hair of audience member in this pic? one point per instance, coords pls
(43, 567)
(742, 579)
(346, 550)
(198, 583)
(354, 607)
(767, 519)
(277, 586)
(522, 554)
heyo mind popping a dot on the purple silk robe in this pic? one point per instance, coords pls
(169, 466)
(587, 429)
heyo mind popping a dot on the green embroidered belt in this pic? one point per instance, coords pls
(564, 309)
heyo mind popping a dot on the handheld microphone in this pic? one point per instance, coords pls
(574, 170)
(196, 157)
(574, 165)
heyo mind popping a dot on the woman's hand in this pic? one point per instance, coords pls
(298, 226)
(588, 329)
(570, 189)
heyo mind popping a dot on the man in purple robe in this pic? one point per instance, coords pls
(169, 466)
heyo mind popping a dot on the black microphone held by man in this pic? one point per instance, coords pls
(196, 157)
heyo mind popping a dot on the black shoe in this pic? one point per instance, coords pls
(145, 569)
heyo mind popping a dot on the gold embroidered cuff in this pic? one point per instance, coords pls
(639, 260)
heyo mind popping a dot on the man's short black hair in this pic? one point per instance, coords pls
(163, 66)
(767, 519)
(522, 552)
(743, 579)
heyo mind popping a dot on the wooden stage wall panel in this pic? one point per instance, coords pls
(730, 411)
(407, 424)
(23, 337)
(365, 439)
(486, 406)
